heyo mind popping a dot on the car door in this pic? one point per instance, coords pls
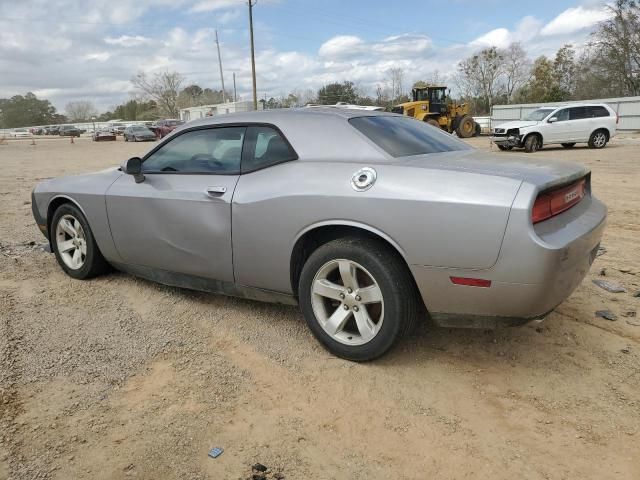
(557, 131)
(179, 218)
(580, 122)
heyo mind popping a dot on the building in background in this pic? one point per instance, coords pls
(194, 113)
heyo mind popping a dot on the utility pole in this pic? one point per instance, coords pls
(224, 95)
(253, 55)
(235, 95)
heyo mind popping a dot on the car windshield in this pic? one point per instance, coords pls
(139, 128)
(403, 136)
(539, 114)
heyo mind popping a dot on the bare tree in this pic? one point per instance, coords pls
(396, 77)
(163, 88)
(516, 69)
(617, 46)
(80, 110)
(480, 74)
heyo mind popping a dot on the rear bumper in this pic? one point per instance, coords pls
(537, 269)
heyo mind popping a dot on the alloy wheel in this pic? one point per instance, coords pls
(71, 242)
(599, 139)
(347, 302)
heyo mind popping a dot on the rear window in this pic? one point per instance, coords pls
(403, 136)
(598, 111)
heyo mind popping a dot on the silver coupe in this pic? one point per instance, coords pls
(368, 221)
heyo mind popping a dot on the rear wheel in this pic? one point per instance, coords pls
(569, 145)
(505, 148)
(433, 122)
(357, 297)
(598, 139)
(532, 144)
(73, 243)
(466, 127)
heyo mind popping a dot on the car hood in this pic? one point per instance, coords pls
(541, 172)
(517, 124)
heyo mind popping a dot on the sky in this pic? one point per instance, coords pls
(66, 50)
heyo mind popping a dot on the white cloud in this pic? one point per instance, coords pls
(98, 56)
(349, 46)
(128, 40)
(574, 19)
(341, 46)
(212, 5)
(500, 37)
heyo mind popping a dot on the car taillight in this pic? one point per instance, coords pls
(551, 203)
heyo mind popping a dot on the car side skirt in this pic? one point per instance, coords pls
(208, 285)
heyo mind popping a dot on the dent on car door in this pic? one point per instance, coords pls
(257, 248)
(179, 218)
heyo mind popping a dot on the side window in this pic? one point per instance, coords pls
(562, 115)
(597, 111)
(265, 146)
(578, 113)
(212, 150)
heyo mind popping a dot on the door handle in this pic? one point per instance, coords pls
(216, 192)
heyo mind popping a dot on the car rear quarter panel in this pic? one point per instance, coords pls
(434, 217)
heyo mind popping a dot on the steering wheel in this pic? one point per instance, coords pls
(205, 158)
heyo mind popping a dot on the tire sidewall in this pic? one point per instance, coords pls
(86, 270)
(373, 260)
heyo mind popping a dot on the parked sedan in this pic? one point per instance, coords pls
(138, 133)
(69, 131)
(104, 134)
(364, 219)
(20, 133)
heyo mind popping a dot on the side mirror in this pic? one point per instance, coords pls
(552, 120)
(133, 166)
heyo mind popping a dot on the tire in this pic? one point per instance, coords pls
(433, 122)
(93, 263)
(532, 143)
(378, 267)
(598, 139)
(505, 148)
(466, 127)
(568, 145)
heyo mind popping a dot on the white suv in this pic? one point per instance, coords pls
(594, 124)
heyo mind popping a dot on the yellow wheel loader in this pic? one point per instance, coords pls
(431, 105)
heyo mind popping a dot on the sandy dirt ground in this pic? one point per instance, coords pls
(118, 377)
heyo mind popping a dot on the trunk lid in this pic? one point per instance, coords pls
(538, 171)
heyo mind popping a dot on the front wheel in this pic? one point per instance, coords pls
(532, 144)
(73, 243)
(598, 139)
(357, 297)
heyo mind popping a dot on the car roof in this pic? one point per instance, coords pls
(288, 114)
(574, 105)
